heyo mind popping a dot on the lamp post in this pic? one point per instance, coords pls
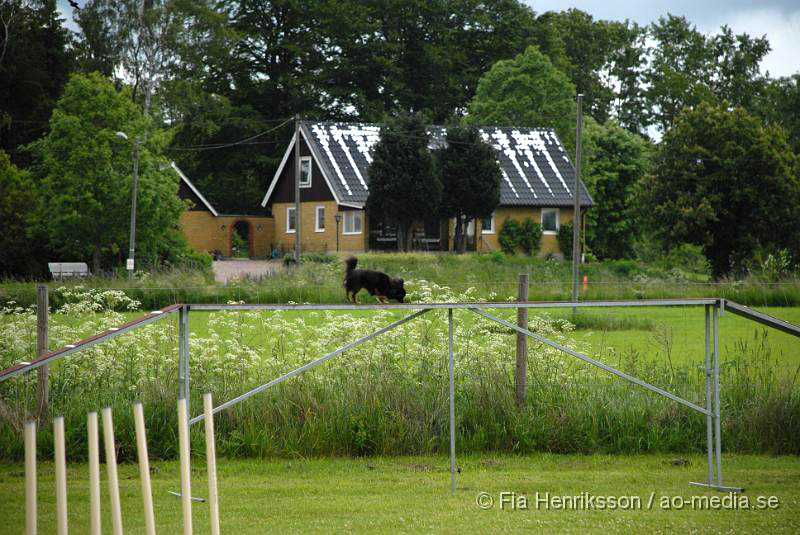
(338, 218)
(134, 183)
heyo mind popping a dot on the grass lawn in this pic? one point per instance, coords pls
(412, 495)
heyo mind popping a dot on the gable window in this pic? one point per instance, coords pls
(487, 225)
(319, 226)
(291, 220)
(305, 172)
(353, 221)
(550, 220)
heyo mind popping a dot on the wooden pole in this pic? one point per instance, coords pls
(144, 469)
(522, 342)
(576, 212)
(211, 462)
(111, 467)
(186, 487)
(30, 477)
(42, 347)
(297, 237)
(94, 472)
(61, 476)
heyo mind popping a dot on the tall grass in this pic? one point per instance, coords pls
(494, 276)
(390, 395)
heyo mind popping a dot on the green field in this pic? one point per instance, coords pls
(675, 334)
(412, 495)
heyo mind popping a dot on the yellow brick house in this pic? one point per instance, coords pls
(538, 179)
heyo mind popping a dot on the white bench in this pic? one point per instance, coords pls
(59, 270)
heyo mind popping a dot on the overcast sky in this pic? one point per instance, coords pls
(778, 19)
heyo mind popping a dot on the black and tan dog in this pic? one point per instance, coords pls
(376, 283)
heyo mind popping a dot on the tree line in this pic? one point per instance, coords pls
(213, 79)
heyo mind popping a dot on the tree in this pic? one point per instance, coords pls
(18, 202)
(587, 46)
(687, 67)
(403, 187)
(614, 161)
(470, 175)
(85, 172)
(526, 91)
(35, 61)
(726, 182)
(779, 104)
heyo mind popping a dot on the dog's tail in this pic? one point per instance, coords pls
(351, 264)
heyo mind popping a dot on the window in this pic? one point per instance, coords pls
(353, 221)
(487, 225)
(291, 220)
(550, 220)
(319, 226)
(305, 172)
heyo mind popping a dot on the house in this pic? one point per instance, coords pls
(538, 179)
(207, 230)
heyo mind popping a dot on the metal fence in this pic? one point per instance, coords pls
(713, 308)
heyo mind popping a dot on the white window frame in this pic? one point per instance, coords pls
(360, 214)
(558, 220)
(489, 230)
(307, 183)
(317, 219)
(289, 230)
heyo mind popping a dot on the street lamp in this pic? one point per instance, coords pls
(130, 263)
(338, 218)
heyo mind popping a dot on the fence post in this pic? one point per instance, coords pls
(522, 342)
(42, 347)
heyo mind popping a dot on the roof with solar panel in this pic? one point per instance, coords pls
(535, 167)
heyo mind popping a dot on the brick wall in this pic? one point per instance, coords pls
(549, 245)
(312, 240)
(206, 232)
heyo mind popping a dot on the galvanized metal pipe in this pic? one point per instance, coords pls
(709, 433)
(308, 366)
(718, 437)
(452, 405)
(591, 361)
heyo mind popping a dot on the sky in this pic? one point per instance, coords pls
(779, 20)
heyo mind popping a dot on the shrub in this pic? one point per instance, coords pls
(238, 245)
(509, 236)
(530, 236)
(565, 240)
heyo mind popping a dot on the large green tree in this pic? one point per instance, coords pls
(779, 103)
(85, 171)
(726, 182)
(18, 204)
(403, 186)
(687, 67)
(526, 91)
(470, 175)
(614, 161)
(35, 62)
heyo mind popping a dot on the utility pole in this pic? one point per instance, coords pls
(297, 190)
(576, 212)
(134, 186)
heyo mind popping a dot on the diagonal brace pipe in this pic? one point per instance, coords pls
(308, 366)
(591, 361)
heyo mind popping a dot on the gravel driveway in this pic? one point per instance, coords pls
(225, 270)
